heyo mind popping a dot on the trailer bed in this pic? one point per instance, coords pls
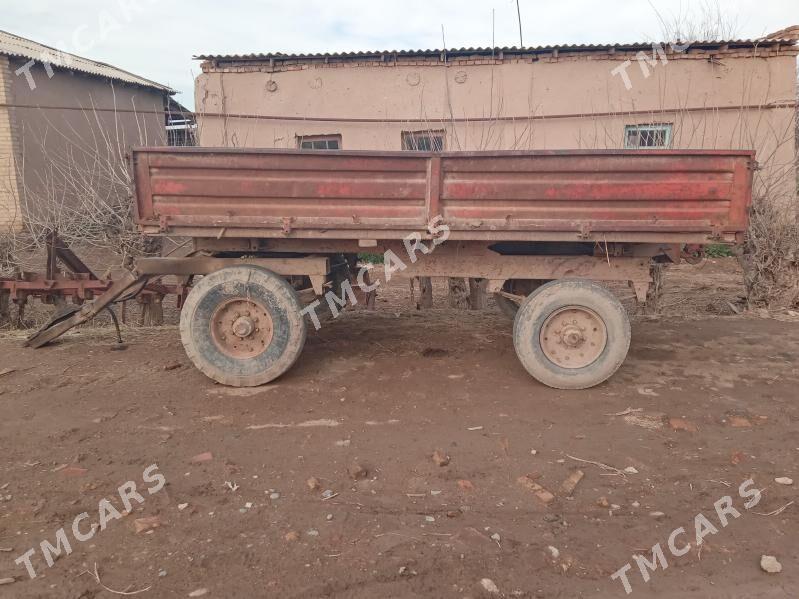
(668, 196)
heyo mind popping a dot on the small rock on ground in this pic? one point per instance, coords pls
(440, 458)
(202, 457)
(769, 563)
(489, 585)
(357, 471)
(465, 485)
(145, 524)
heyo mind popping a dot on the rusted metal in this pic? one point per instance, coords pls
(433, 192)
(203, 265)
(636, 196)
(241, 328)
(59, 251)
(63, 322)
(78, 288)
(77, 283)
(334, 235)
(573, 337)
(448, 262)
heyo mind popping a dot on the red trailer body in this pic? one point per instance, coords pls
(636, 196)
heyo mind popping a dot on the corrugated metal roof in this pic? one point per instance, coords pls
(489, 51)
(14, 45)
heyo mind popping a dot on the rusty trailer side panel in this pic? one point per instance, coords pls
(649, 195)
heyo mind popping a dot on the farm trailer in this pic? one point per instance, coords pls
(273, 229)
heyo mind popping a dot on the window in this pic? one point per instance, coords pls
(181, 132)
(647, 136)
(319, 142)
(423, 141)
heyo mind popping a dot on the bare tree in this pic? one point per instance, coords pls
(701, 21)
(82, 189)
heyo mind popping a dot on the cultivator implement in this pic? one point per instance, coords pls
(125, 288)
(78, 293)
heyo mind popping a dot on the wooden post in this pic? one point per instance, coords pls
(478, 298)
(425, 293)
(20, 320)
(5, 313)
(458, 293)
(654, 295)
(157, 315)
(152, 310)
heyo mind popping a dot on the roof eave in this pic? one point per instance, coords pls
(580, 48)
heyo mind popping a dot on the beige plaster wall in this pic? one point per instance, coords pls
(730, 100)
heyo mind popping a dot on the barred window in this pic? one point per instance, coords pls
(319, 142)
(647, 136)
(423, 141)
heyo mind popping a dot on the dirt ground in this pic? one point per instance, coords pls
(703, 403)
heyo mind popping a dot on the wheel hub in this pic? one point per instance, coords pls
(241, 328)
(573, 337)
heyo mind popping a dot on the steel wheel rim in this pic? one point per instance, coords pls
(573, 337)
(241, 328)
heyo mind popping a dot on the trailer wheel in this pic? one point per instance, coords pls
(571, 334)
(241, 326)
(518, 287)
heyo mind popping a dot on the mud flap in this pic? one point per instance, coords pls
(128, 285)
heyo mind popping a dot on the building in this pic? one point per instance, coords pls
(65, 125)
(717, 94)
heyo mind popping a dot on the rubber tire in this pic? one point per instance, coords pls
(518, 286)
(258, 284)
(548, 298)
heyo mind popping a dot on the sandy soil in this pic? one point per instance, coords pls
(706, 402)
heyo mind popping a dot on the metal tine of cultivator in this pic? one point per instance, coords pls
(129, 284)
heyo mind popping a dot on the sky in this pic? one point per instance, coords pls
(156, 39)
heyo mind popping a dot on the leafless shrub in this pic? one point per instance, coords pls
(8, 261)
(771, 257)
(771, 252)
(81, 189)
